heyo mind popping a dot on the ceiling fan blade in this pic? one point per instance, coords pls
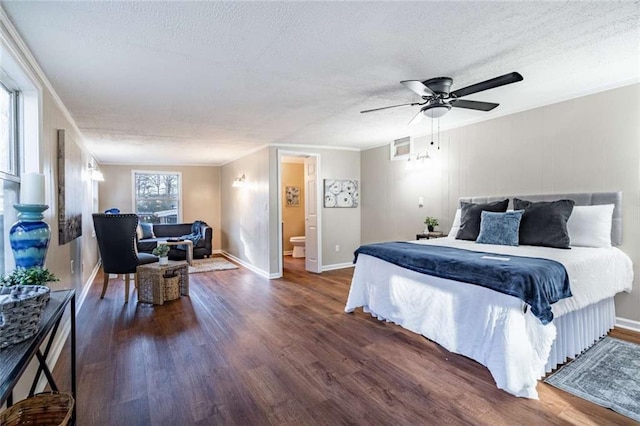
(387, 107)
(418, 118)
(417, 87)
(488, 84)
(480, 106)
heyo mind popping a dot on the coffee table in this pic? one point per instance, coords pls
(189, 245)
(151, 280)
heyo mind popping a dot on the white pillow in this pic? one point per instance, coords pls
(590, 226)
(455, 226)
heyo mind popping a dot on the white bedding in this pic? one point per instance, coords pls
(480, 323)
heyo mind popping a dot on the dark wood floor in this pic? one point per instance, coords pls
(250, 351)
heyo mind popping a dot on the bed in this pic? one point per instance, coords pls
(496, 329)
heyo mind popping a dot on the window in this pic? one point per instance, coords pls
(8, 172)
(157, 196)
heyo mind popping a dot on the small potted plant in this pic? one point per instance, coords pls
(34, 275)
(431, 223)
(162, 251)
(23, 296)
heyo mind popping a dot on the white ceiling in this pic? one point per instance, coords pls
(205, 82)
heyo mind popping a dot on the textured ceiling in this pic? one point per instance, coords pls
(204, 82)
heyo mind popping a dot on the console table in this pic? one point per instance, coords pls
(15, 359)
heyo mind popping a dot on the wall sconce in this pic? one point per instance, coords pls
(416, 160)
(238, 182)
(95, 173)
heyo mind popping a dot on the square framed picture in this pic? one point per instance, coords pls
(341, 193)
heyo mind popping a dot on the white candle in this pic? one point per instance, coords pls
(32, 188)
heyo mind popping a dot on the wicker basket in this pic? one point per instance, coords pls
(43, 409)
(171, 287)
(20, 309)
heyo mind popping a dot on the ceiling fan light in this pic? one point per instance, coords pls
(436, 110)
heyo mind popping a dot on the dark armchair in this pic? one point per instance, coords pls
(116, 234)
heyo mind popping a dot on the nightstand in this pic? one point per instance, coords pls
(430, 235)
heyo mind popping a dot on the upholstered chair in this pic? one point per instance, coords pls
(116, 234)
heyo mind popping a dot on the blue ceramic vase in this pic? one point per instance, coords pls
(30, 236)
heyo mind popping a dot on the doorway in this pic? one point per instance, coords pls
(299, 239)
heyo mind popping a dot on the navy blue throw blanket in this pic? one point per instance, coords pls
(196, 233)
(537, 282)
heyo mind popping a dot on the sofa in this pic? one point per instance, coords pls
(164, 231)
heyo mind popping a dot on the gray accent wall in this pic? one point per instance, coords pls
(587, 144)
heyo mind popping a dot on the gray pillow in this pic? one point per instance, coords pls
(544, 223)
(470, 217)
(500, 228)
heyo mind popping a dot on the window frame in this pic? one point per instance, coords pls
(14, 171)
(157, 172)
(9, 215)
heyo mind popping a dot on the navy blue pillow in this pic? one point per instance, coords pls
(147, 230)
(470, 217)
(500, 228)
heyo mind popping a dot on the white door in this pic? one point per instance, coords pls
(312, 264)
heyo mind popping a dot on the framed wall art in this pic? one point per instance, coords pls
(70, 192)
(292, 196)
(341, 193)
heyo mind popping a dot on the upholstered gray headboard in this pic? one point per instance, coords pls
(581, 199)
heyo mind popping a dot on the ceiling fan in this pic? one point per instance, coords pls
(438, 99)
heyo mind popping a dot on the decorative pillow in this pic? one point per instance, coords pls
(147, 230)
(590, 226)
(139, 232)
(455, 226)
(500, 228)
(544, 223)
(470, 217)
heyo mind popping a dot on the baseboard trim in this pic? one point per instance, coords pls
(337, 266)
(287, 252)
(87, 286)
(249, 266)
(63, 332)
(628, 324)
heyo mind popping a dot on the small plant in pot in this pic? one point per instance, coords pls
(431, 223)
(162, 251)
(34, 275)
(23, 296)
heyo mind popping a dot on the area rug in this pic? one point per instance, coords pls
(608, 374)
(211, 264)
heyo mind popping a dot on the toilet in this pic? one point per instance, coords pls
(298, 246)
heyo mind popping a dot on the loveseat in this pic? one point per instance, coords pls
(163, 232)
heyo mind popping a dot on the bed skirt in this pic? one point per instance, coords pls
(577, 331)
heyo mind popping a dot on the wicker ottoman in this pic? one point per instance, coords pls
(151, 285)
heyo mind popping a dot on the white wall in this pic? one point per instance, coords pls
(51, 115)
(245, 210)
(588, 144)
